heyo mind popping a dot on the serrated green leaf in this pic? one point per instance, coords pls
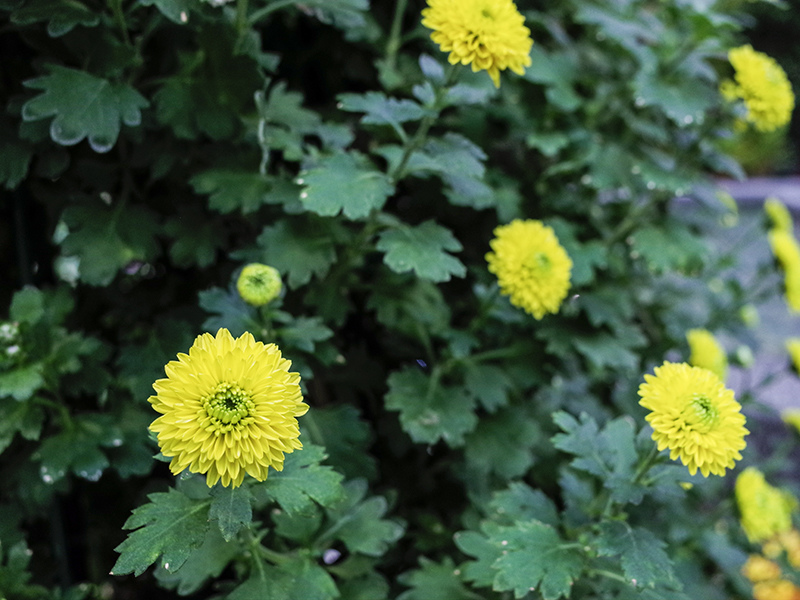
(62, 15)
(206, 562)
(231, 190)
(15, 154)
(25, 418)
(298, 527)
(478, 546)
(304, 332)
(380, 110)
(489, 385)
(519, 502)
(196, 239)
(106, 239)
(27, 305)
(641, 553)
(603, 350)
(303, 481)
(535, 556)
(299, 249)
(346, 439)
(172, 9)
(430, 413)
(22, 382)
(409, 305)
(502, 443)
(231, 508)
(434, 581)
(228, 310)
(668, 247)
(84, 106)
(296, 579)
(77, 449)
(422, 249)
(170, 526)
(359, 522)
(346, 183)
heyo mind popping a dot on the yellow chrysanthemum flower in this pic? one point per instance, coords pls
(488, 34)
(228, 408)
(787, 252)
(707, 353)
(695, 416)
(763, 86)
(259, 284)
(757, 568)
(779, 589)
(792, 416)
(765, 510)
(778, 214)
(532, 268)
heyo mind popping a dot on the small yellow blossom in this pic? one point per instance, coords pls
(765, 510)
(787, 252)
(228, 408)
(532, 268)
(778, 214)
(792, 416)
(763, 86)
(695, 416)
(488, 34)
(778, 589)
(259, 284)
(707, 353)
(757, 568)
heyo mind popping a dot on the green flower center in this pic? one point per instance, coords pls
(701, 413)
(228, 404)
(539, 263)
(487, 14)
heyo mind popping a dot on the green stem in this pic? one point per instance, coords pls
(608, 575)
(63, 412)
(393, 45)
(648, 462)
(507, 352)
(241, 18)
(258, 15)
(119, 18)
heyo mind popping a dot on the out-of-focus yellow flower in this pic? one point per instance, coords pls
(793, 348)
(765, 510)
(757, 568)
(792, 415)
(778, 214)
(779, 589)
(787, 253)
(490, 35)
(532, 268)
(707, 353)
(228, 408)
(695, 416)
(763, 86)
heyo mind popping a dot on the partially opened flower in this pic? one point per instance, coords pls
(488, 34)
(259, 284)
(228, 408)
(532, 268)
(707, 353)
(695, 416)
(763, 86)
(765, 510)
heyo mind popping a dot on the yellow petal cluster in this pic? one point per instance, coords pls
(532, 268)
(758, 568)
(695, 416)
(778, 214)
(706, 352)
(259, 284)
(765, 510)
(785, 542)
(787, 252)
(777, 589)
(763, 86)
(228, 408)
(766, 574)
(490, 35)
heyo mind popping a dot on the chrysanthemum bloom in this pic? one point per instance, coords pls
(763, 86)
(757, 568)
(778, 214)
(532, 268)
(778, 589)
(765, 510)
(228, 408)
(695, 416)
(259, 284)
(488, 34)
(792, 416)
(707, 353)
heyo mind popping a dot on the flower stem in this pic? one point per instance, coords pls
(393, 45)
(258, 15)
(119, 17)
